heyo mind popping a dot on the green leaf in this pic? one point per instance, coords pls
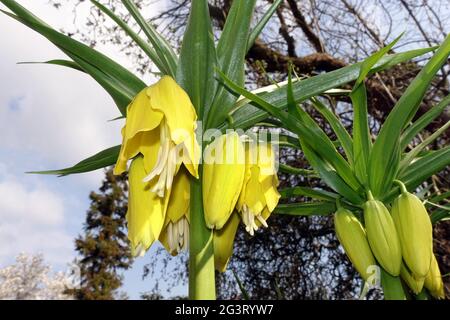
(100, 160)
(163, 49)
(198, 60)
(330, 176)
(247, 115)
(58, 62)
(262, 23)
(369, 62)
(306, 209)
(384, 159)
(440, 215)
(411, 155)
(119, 82)
(341, 133)
(298, 171)
(317, 194)
(151, 53)
(231, 51)
(423, 168)
(362, 144)
(244, 292)
(420, 124)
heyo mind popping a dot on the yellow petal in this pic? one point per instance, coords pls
(146, 210)
(223, 175)
(433, 281)
(167, 97)
(223, 242)
(140, 118)
(413, 283)
(179, 198)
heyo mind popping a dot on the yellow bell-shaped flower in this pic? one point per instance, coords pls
(259, 195)
(223, 175)
(223, 242)
(175, 234)
(146, 210)
(161, 120)
(433, 281)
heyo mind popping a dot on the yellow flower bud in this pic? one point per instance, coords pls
(414, 283)
(415, 233)
(223, 176)
(352, 236)
(433, 280)
(382, 235)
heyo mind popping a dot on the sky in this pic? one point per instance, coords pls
(50, 117)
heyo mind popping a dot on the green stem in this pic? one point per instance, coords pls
(392, 287)
(201, 250)
(370, 196)
(402, 186)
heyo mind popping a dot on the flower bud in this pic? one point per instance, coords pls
(415, 284)
(382, 236)
(352, 236)
(415, 233)
(433, 281)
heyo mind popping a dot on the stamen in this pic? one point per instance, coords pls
(178, 235)
(140, 252)
(248, 218)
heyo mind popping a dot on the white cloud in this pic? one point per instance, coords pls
(32, 220)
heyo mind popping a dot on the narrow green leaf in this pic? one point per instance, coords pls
(423, 168)
(58, 62)
(411, 155)
(341, 133)
(420, 124)
(368, 63)
(247, 115)
(151, 53)
(306, 209)
(244, 292)
(231, 51)
(198, 60)
(384, 160)
(298, 171)
(100, 160)
(317, 194)
(362, 144)
(440, 215)
(262, 23)
(121, 82)
(163, 49)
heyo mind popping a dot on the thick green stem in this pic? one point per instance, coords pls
(392, 287)
(201, 251)
(401, 185)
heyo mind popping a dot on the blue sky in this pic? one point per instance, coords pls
(50, 117)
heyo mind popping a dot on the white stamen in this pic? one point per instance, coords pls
(248, 218)
(166, 164)
(178, 235)
(140, 251)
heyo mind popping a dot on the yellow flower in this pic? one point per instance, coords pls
(352, 237)
(382, 236)
(223, 175)
(223, 242)
(175, 234)
(161, 120)
(415, 233)
(146, 210)
(433, 281)
(259, 195)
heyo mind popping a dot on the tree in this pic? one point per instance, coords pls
(30, 278)
(103, 247)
